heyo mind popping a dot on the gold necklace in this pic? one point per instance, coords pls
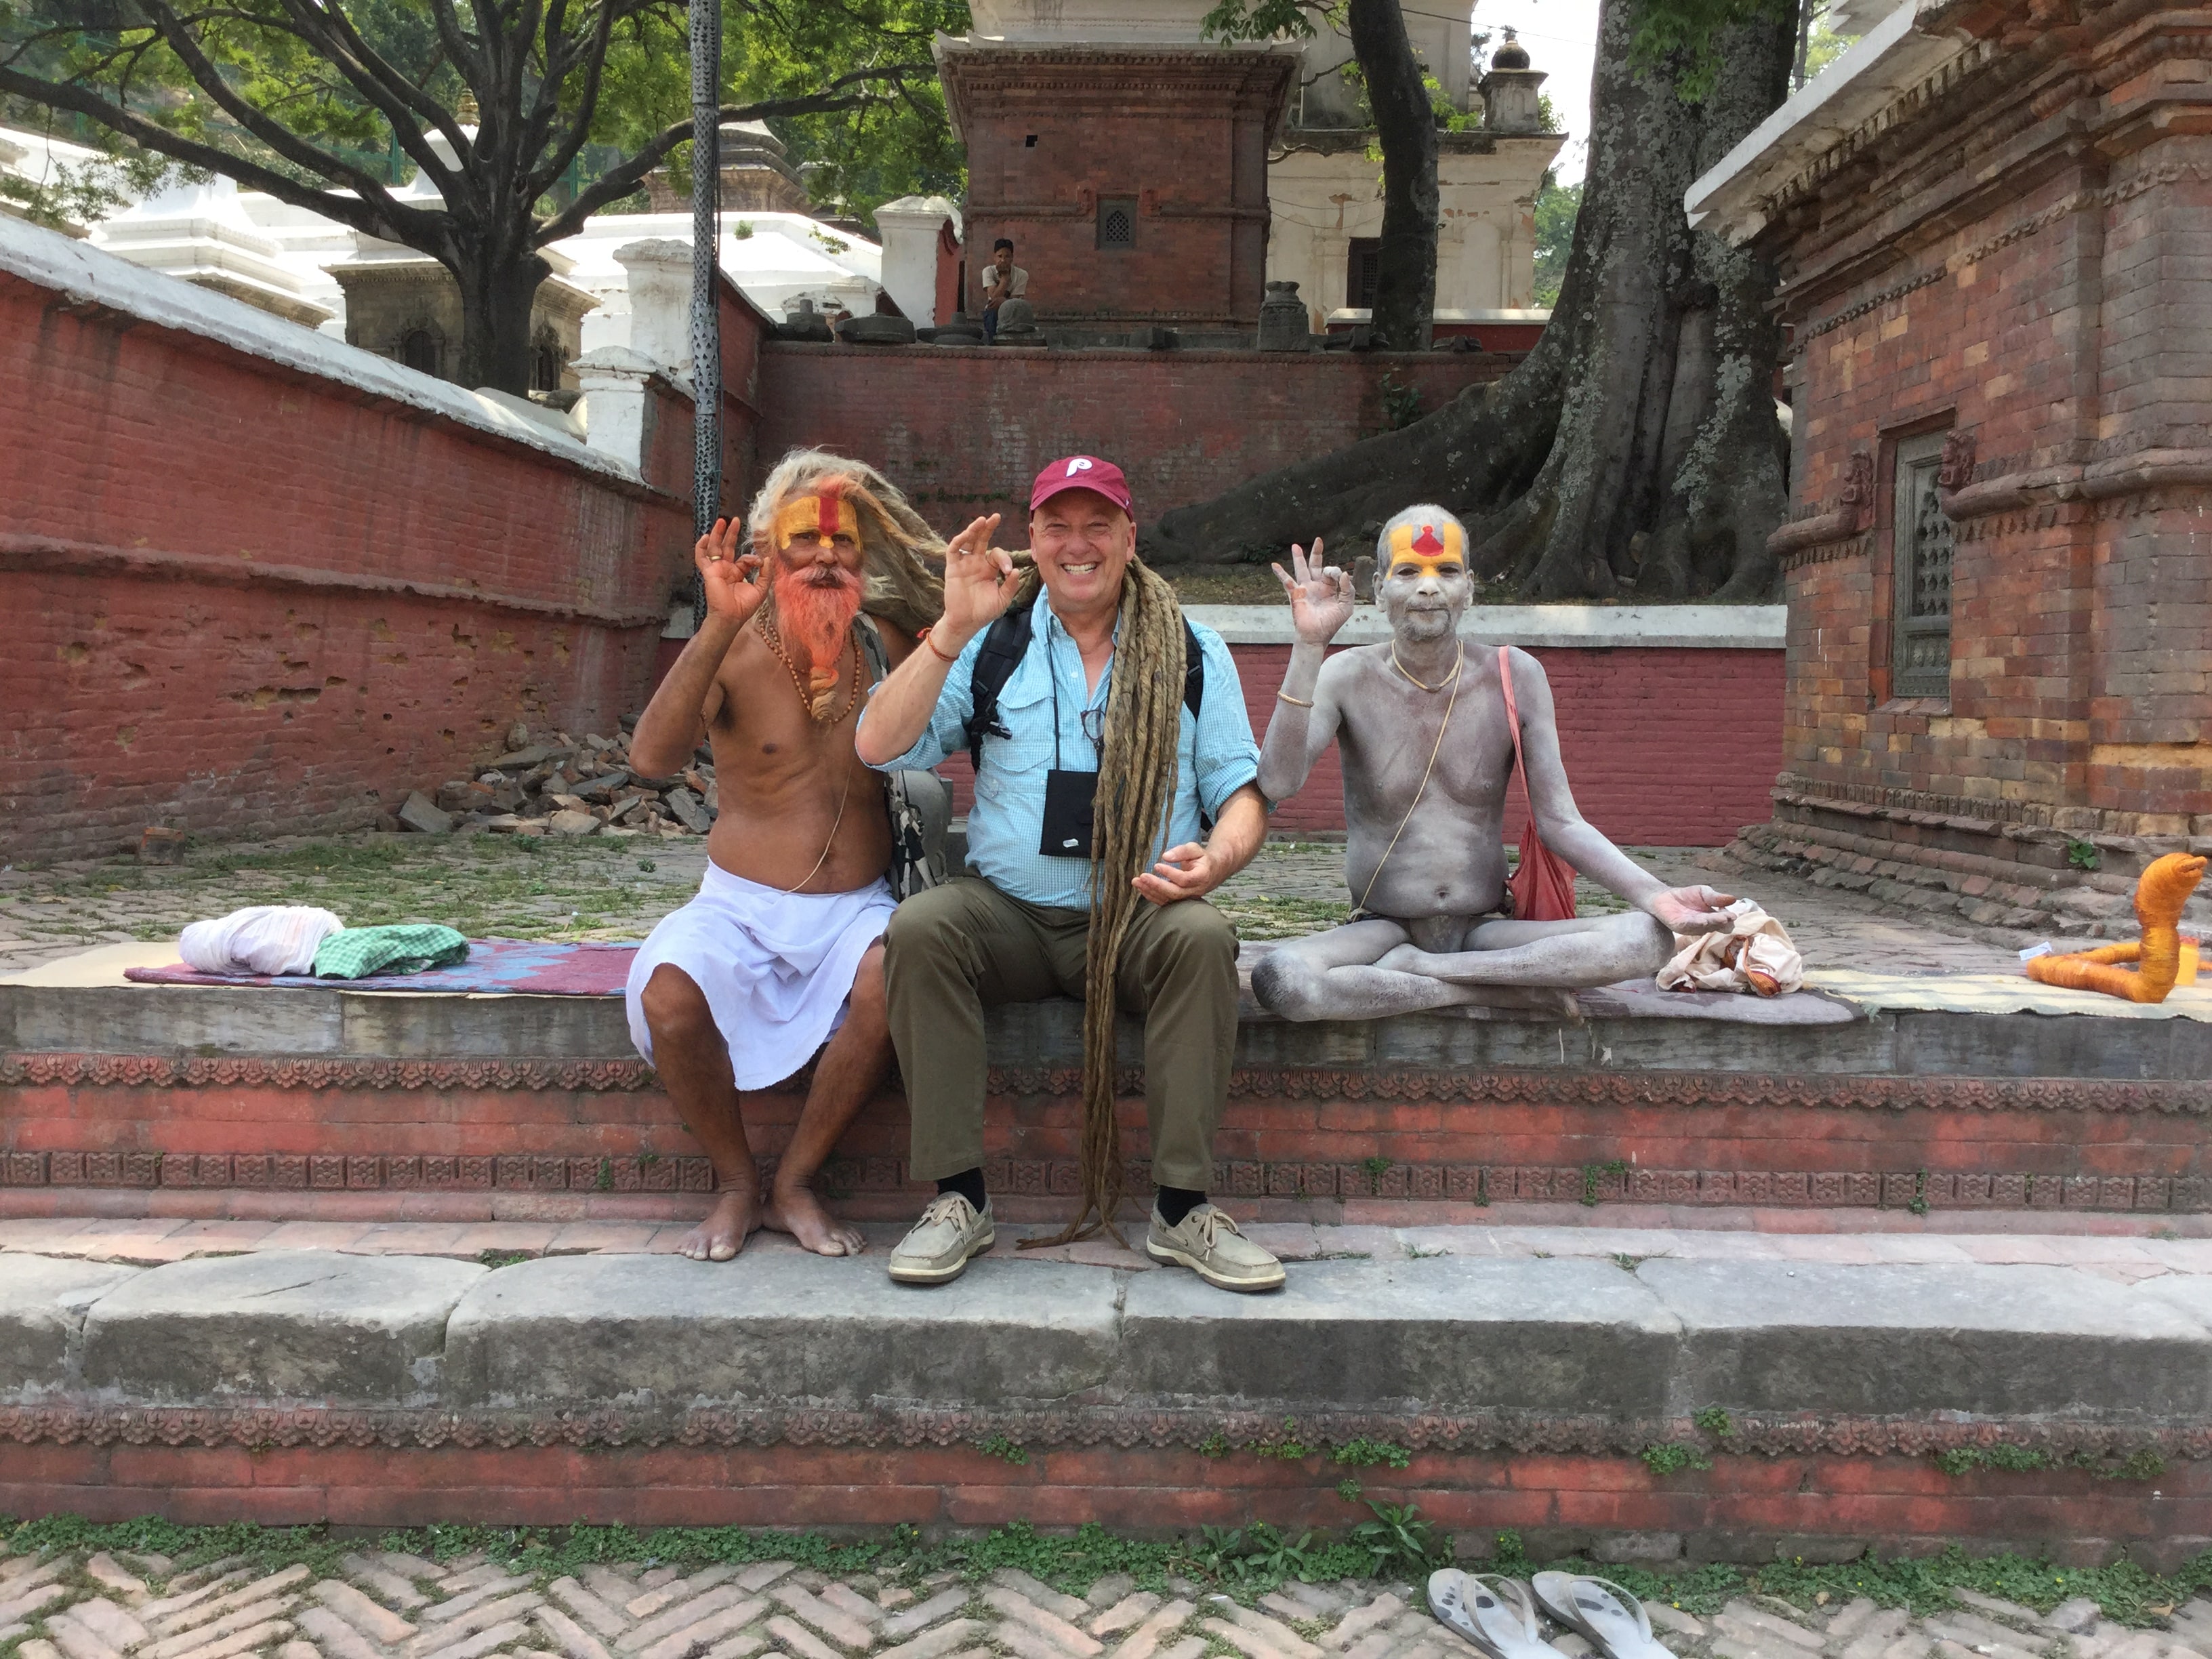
(767, 631)
(1448, 679)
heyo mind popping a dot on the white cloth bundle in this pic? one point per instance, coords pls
(1754, 955)
(262, 938)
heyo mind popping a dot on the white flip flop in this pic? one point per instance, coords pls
(1608, 1614)
(1492, 1612)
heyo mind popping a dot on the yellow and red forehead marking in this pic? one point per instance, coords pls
(825, 512)
(1428, 545)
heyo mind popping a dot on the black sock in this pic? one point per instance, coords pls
(969, 1183)
(1177, 1202)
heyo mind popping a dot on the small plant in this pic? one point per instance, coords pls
(1215, 1445)
(1398, 1541)
(2081, 854)
(1714, 1422)
(1366, 1454)
(998, 1446)
(1402, 403)
(1349, 1490)
(604, 1181)
(1377, 1167)
(497, 1259)
(1671, 1457)
(1627, 1263)
(1290, 1447)
(1593, 1173)
(1918, 1203)
(647, 866)
(741, 230)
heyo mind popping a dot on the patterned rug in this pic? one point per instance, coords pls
(510, 967)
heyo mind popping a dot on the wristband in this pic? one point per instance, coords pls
(933, 651)
(1297, 702)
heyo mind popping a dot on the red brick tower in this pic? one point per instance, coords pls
(1127, 158)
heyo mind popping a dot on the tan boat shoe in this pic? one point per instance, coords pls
(936, 1251)
(1207, 1242)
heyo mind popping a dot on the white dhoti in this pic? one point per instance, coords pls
(777, 968)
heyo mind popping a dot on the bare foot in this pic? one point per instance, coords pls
(734, 1219)
(796, 1211)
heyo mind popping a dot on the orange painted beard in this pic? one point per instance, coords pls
(815, 607)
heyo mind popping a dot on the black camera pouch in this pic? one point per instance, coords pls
(1069, 800)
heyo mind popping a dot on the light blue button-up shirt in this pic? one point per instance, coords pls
(1216, 755)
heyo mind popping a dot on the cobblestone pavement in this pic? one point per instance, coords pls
(616, 890)
(382, 1605)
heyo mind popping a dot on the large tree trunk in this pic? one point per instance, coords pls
(1405, 290)
(496, 292)
(1638, 443)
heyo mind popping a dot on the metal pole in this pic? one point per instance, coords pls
(706, 250)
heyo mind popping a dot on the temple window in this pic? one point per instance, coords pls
(1117, 221)
(1362, 266)
(418, 350)
(1921, 638)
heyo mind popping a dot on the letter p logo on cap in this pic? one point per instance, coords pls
(1081, 472)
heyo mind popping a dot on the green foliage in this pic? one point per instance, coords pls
(1377, 1167)
(1557, 206)
(2144, 1464)
(1398, 1542)
(1714, 1422)
(998, 1445)
(1260, 20)
(1681, 38)
(1672, 1457)
(1402, 403)
(1290, 1447)
(497, 1259)
(1349, 1490)
(1824, 45)
(1215, 1445)
(1364, 1454)
(2081, 854)
(1593, 1173)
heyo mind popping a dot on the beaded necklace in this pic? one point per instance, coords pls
(816, 708)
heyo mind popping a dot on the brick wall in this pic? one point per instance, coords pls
(254, 596)
(1665, 747)
(964, 430)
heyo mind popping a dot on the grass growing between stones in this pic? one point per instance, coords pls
(1395, 1545)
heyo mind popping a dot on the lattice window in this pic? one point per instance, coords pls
(1117, 222)
(1921, 626)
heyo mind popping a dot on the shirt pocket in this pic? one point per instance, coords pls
(1014, 766)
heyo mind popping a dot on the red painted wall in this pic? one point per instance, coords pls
(1665, 747)
(249, 600)
(962, 430)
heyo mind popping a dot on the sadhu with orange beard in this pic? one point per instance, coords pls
(781, 950)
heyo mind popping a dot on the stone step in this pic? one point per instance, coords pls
(1672, 1394)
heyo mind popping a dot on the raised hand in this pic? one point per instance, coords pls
(979, 583)
(732, 580)
(1320, 595)
(1691, 909)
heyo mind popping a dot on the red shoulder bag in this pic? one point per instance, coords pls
(1543, 888)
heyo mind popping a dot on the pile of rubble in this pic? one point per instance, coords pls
(565, 786)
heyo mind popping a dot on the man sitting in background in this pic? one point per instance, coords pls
(1003, 280)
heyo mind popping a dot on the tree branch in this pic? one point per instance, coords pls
(614, 186)
(384, 218)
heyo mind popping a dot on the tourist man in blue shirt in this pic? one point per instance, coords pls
(1114, 787)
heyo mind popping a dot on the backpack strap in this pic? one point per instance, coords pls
(870, 635)
(1193, 697)
(1005, 644)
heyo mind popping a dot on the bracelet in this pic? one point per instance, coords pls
(1296, 702)
(933, 651)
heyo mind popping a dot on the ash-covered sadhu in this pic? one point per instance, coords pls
(780, 952)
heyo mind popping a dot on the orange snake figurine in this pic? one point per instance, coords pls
(2166, 958)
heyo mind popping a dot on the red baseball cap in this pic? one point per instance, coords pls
(1081, 472)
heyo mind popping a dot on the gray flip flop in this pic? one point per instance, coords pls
(1492, 1612)
(1606, 1613)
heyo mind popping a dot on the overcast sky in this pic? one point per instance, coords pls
(1561, 36)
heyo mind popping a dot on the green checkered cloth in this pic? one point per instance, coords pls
(357, 952)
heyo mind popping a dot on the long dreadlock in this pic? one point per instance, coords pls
(1136, 784)
(895, 539)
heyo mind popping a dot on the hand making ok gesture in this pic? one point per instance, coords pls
(979, 583)
(1320, 595)
(732, 580)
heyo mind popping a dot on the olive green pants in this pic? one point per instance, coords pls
(965, 946)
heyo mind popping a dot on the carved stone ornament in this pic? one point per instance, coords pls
(1958, 464)
(1855, 505)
